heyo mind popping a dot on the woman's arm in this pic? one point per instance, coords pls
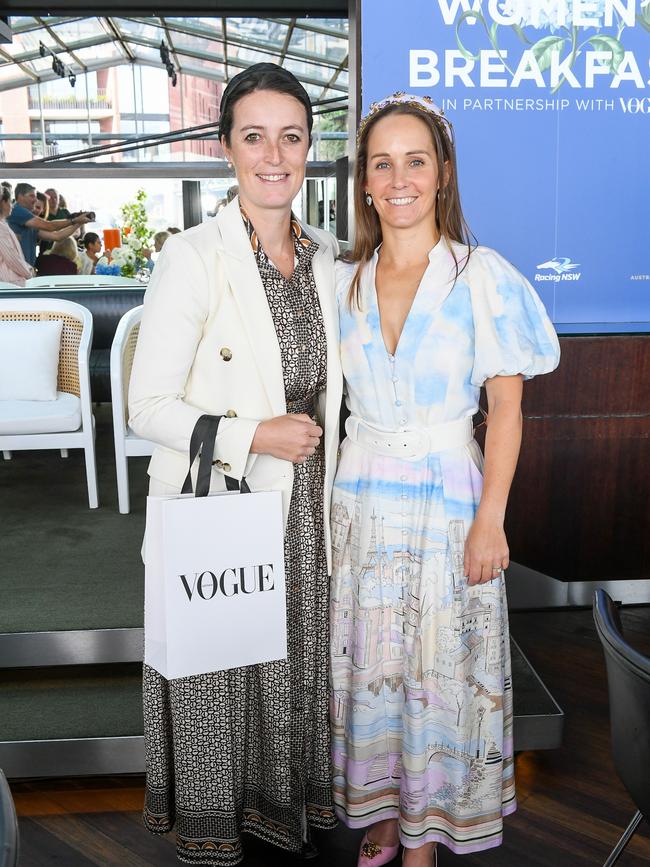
(58, 234)
(486, 545)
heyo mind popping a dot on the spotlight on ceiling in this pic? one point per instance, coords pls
(72, 78)
(42, 50)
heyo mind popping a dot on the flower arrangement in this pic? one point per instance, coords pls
(138, 235)
(103, 266)
(129, 260)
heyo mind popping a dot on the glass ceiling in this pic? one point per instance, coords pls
(314, 49)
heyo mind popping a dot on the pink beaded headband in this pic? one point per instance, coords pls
(422, 103)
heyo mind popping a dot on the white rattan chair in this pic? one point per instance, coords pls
(127, 443)
(80, 281)
(63, 423)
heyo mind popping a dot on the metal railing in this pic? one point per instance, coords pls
(51, 150)
(98, 101)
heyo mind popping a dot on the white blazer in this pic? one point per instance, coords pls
(207, 344)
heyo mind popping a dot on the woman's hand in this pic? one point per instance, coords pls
(486, 550)
(288, 437)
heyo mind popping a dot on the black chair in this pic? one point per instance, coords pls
(628, 682)
(8, 826)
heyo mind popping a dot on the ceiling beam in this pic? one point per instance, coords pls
(33, 75)
(114, 31)
(61, 44)
(167, 8)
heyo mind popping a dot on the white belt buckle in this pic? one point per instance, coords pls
(413, 444)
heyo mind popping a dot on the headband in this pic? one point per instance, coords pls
(423, 103)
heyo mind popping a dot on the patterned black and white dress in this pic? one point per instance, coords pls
(247, 750)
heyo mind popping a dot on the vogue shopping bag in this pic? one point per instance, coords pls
(214, 574)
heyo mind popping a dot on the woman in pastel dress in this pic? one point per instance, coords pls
(422, 695)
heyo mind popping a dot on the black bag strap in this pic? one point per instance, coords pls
(202, 443)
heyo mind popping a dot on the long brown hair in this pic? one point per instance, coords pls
(450, 221)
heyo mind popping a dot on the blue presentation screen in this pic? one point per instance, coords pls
(550, 102)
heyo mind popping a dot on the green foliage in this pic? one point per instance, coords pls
(134, 215)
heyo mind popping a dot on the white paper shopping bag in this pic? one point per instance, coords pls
(214, 582)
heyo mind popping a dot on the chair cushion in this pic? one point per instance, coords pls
(39, 416)
(29, 359)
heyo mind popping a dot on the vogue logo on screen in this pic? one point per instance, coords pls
(231, 582)
(560, 268)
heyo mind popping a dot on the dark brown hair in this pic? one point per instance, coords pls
(260, 76)
(43, 199)
(450, 221)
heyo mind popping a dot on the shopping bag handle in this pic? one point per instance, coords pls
(202, 444)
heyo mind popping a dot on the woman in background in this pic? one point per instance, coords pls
(41, 206)
(422, 698)
(13, 267)
(61, 259)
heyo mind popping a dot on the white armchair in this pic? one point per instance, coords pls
(67, 421)
(127, 443)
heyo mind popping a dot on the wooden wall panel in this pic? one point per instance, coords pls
(580, 503)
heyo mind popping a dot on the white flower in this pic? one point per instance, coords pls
(103, 260)
(124, 256)
(134, 243)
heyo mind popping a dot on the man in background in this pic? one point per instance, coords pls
(29, 229)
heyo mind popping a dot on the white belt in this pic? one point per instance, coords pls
(410, 445)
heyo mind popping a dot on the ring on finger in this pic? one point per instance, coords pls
(497, 568)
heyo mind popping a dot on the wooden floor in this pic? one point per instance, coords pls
(572, 807)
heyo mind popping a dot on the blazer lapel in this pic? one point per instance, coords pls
(248, 292)
(323, 268)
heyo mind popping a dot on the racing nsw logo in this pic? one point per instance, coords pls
(562, 268)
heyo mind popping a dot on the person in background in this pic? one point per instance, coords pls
(159, 239)
(92, 248)
(42, 209)
(173, 230)
(41, 206)
(61, 259)
(56, 211)
(30, 229)
(13, 267)
(62, 211)
(7, 185)
(422, 714)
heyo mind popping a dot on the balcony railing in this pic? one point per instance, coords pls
(51, 150)
(100, 101)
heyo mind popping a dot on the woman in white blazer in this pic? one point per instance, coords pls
(240, 321)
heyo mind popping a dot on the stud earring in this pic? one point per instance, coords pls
(368, 199)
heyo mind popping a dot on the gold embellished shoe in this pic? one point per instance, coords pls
(373, 855)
